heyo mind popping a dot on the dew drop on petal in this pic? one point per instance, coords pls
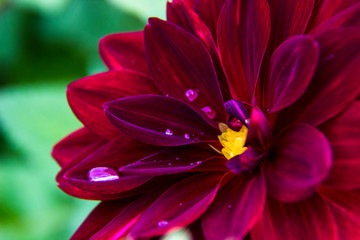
(180, 204)
(191, 94)
(169, 164)
(229, 206)
(247, 121)
(191, 164)
(169, 132)
(186, 136)
(210, 113)
(102, 174)
(163, 223)
(177, 158)
(198, 162)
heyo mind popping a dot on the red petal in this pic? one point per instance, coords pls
(236, 208)
(348, 17)
(159, 120)
(182, 15)
(310, 219)
(344, 135)
(72, 145)
(181, 205)
(170, 161)
(99, 217)
(335, 84)
(115, 154)
(292, 66)
(325, 9)
(259, 134)
(86, 97)
(288, 18)
(120, 225)
(299, 161)
(243, 34)
(209, 11)
(124, 51)
(177, 55)
(346, 210)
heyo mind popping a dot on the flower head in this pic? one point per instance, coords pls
(235, 119)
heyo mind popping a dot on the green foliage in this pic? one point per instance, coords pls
(44, 45)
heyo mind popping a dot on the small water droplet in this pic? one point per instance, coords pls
(169, 132)
(202, 133)
(166, 95)
(163, 223)
(102, 174)
(186, 136)
(229, 206)
(198, 162)
(247, 121)
(191, 94)
(191, 164)
(169, 164)
(210, 113)
(180, 204)
(177, 158)
(268, 109)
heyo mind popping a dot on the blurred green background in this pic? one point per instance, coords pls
(44, 45)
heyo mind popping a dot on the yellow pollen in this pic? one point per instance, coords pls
(232, 141)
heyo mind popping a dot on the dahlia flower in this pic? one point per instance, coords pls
(234, 119)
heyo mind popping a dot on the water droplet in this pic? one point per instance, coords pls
(177, 158)
(229, 206)
(191, 94)
(268, 109)
(247, 121)
(210, 113)
(169, 132)
(163, 223)
(186, 136)
(180, 204)
(191, 164)
(169, 164)
(202, 133)
(102, 174)
(198, 162)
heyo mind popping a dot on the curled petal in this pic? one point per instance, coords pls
(159, 120)
(243, 34)
(182, 67)
(292, 66)
(124, 51)
(86, 97)
(309, 219)
(99, 171)
(99, 217)
(259, 134)
(72, 145)
(348, 17)
(343, 133)
(336, 76)
(236, 208)
(246, 161)
(179, 206)
(299, 161)
(170, 161)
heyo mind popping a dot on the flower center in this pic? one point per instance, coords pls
(232, 141)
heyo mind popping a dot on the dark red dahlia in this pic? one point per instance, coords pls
(234, 119)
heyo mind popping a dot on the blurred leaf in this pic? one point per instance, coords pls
(143, 8)
(33, 118)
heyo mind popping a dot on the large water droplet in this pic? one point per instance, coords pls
(187, 136)
(191, 94)
(102, 174)
(169, 132)
(163, 223)
(210, 113)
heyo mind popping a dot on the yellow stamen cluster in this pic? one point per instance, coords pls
(232, 141)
